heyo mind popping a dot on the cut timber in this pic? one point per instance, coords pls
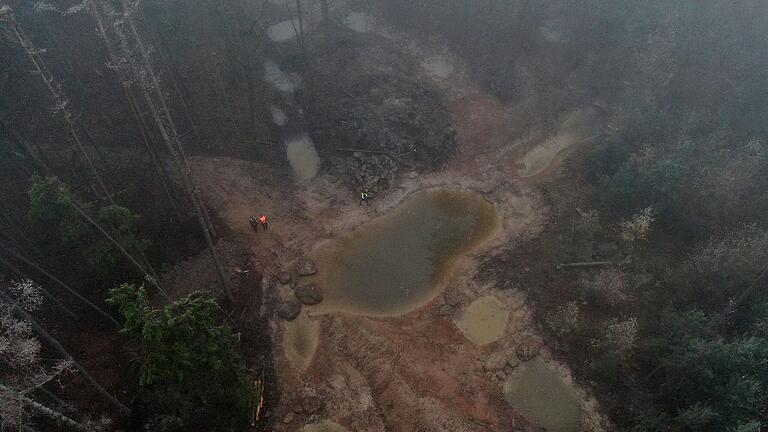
(590, 264)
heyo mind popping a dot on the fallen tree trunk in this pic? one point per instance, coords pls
(590, 264)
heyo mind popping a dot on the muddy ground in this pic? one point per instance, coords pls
(414, 372)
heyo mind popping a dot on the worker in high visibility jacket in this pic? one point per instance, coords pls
(364, 197)
(263, 221)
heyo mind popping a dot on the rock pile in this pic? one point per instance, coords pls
(289, 309)
(376, 106)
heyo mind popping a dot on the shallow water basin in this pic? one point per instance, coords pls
(542, 397)
(396, 263)
(300, 340)
(302, 156)
(484, 320)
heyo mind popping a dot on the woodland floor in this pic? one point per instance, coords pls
(415, 372)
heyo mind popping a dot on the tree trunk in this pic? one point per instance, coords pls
(58, 282)
(227, 102)
(44, 410)
(45, 292)
(56, 345)
(165, 125)
(59, 99)
(135, 110)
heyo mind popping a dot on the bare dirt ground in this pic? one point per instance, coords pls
(415, 372)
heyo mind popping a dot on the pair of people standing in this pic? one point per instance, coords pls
(262, 220)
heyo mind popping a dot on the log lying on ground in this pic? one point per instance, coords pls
(590, 264)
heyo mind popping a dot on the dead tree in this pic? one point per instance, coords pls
(61, 103)
(227, 101)
(45, 292)
(133, 105)
(58, 282)
(140, 66)
(12, 402)
(21, 351)
(24, 315)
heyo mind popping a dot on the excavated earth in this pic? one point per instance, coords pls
(417, 371)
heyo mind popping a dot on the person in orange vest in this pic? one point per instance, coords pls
(263, 220)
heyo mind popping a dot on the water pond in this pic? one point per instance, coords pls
(396, 262)
(302, 156)
(542, 397)
(300, 340)
(484, 320)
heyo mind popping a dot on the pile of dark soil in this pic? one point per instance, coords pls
(373, 118)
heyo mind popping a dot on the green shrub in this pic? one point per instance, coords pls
(54, 208)
(190, 366)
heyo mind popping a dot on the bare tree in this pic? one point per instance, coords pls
(133, 104)
(139, 64)
(20, 353)
(32, 264)
(19, 306)
(61, 103)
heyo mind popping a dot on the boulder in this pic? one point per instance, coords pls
(528, 347)
(289, 310)
(284, 277)
(309, 294)
(305, 267)
(288, 418)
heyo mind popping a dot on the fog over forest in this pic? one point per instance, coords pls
(384, 215)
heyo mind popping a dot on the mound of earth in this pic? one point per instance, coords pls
(368, 101)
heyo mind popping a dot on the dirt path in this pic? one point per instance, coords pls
(416, 372)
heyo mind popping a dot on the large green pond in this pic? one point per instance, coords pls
(396, 262)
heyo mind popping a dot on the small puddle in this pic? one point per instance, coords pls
(359, 22)
(324, 426)
(484, 321)
(279, 79)
(283, 31)
(542, 397)
(396, 262)
(300, 339)
(303, 157)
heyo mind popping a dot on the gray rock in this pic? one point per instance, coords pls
(305, 267)
(284, 277)
(309, 294)
(288, 418)
(289, 310)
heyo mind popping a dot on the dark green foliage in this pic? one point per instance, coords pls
(705, 383)
(190, 365)
(53, 207)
